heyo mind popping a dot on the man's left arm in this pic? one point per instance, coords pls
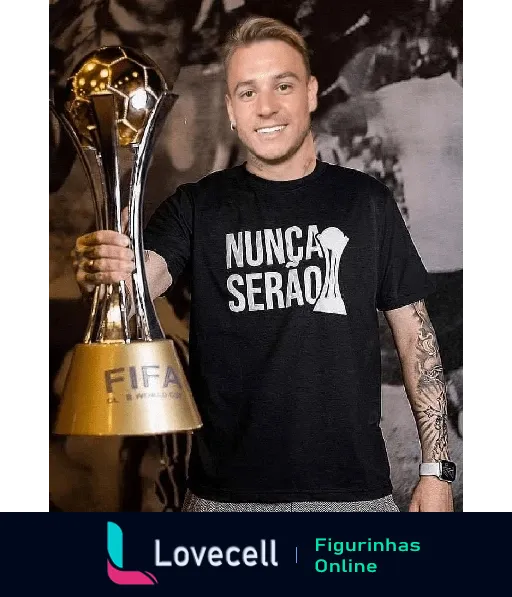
(423, 376)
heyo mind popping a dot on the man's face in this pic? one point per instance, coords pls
(270, 97)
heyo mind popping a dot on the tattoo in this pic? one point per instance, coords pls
(430, 409)
(255, 162)
(309, 162)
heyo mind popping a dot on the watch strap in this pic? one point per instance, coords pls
(430, 468)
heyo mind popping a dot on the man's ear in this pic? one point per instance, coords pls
(312, 93)
(229, 107)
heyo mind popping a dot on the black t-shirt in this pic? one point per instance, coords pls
(287, 278)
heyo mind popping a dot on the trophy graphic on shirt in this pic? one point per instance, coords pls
(125, 378)
(333, 243)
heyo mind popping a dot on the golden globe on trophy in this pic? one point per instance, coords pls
(125, 378)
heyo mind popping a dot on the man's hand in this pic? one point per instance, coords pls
(432, 495)
(102, 257)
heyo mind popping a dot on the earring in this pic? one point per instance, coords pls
(233, 126)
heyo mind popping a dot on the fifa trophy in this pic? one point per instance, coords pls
(125, 378)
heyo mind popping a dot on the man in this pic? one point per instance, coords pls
(290, 259)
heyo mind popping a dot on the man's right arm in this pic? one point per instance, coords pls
(104, 257)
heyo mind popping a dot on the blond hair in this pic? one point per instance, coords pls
(254, 29)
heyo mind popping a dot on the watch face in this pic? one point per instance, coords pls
(447, 470)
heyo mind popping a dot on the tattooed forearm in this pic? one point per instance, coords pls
(428, 398)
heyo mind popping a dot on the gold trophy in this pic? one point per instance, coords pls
(126, 377)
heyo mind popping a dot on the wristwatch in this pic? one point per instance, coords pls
(444, 470)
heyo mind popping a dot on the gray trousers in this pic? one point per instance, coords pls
(193, 503)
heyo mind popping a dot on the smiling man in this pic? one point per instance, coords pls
(291, 259)
(271, 94)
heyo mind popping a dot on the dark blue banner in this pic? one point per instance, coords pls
(242, 554)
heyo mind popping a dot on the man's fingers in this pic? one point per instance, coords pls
(96, 278)
(102, 257)
(102, 237)
(108, 265)
(107, 251)
(82, 256)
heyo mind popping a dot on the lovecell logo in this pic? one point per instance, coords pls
(115, 570)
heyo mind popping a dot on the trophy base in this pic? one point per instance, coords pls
(137, 388)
